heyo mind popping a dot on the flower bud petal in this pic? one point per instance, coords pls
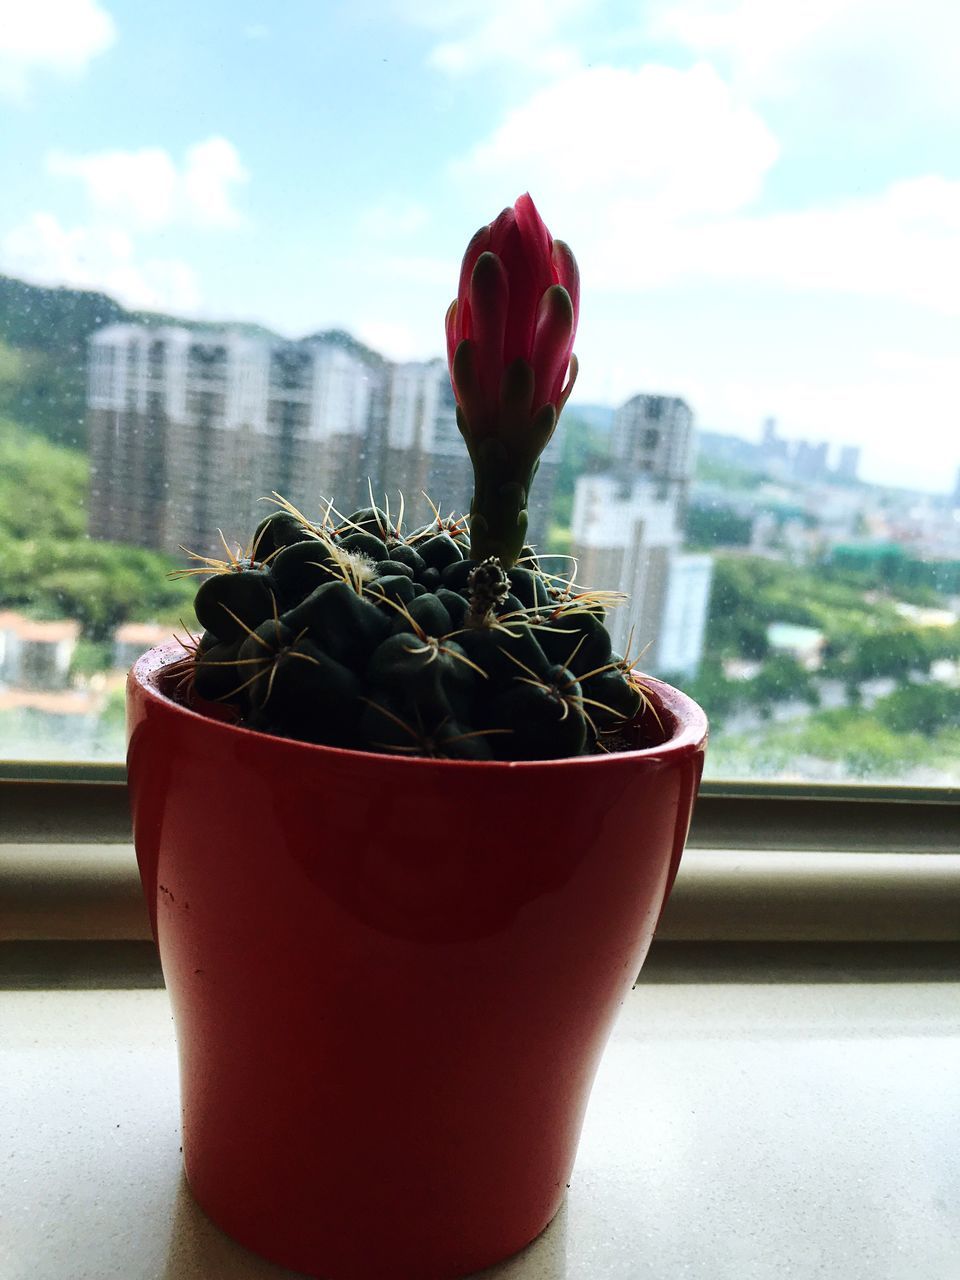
(571, 379)
(516, 393)
(568, 274)
(489, 302)
(450, 328)
(535, 235)
(466, 384)
(552, 344)
(479, 242)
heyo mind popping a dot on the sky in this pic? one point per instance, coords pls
(763, 196)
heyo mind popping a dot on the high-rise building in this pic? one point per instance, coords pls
(189, 429)
(423, 449)
(654, 436)
(627, 536)
(809, 461)
(849, 462)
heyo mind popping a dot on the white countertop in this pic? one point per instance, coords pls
(737, 1131)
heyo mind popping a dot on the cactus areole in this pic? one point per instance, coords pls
(453, 639)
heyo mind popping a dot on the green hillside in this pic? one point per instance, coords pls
(43, 335)
(49, 568)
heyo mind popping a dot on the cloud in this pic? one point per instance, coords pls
(45, 252)
(59, 36)
(870, 58)
(146, 189)
(498, 32)
(902, 243)
(131, 195)
(651, 175)
(759, 36)
(675, 141)
(211, 169)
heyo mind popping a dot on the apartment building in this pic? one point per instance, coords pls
(190, 429)
(627, 536)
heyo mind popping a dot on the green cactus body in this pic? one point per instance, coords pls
(360, 635)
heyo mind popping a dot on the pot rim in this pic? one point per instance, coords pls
(688, 736)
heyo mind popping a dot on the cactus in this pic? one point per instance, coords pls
(451, 640)
(356, 633)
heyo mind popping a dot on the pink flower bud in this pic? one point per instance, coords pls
(518, 299)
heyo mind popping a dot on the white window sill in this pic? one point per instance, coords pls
(736, 1132)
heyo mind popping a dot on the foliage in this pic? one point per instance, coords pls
(49, 328)
(712, 470)
(844, 742)
(922, 708)
(90, 657)
(708, 527)
(780, 679)
(750, 592)
(578, 444)
(43, 488)
(893, 651)
(49, 568)
(890, 567)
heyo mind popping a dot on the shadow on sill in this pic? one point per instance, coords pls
(92, 966)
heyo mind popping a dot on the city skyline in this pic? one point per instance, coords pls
(764, 200)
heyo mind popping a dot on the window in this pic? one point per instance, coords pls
(245, 294)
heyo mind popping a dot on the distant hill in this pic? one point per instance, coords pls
(599, 417)
(43, 334)
(340, 338)
(43, 342)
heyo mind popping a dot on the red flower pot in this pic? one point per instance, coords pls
(392, 978)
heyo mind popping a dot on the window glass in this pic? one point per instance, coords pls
(228, 239)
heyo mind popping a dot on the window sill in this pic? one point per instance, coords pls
(765, 864)
(735, 1130)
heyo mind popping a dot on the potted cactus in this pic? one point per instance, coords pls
(405, 825)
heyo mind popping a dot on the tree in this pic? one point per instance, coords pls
(920, 708)
(712, 689)
(891, 652)
(578, 443)
(49, 567)
(711, 527)
(781, 679)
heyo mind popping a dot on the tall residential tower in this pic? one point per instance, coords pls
(627, 536)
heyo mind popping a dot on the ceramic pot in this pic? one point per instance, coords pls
(392, 978)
